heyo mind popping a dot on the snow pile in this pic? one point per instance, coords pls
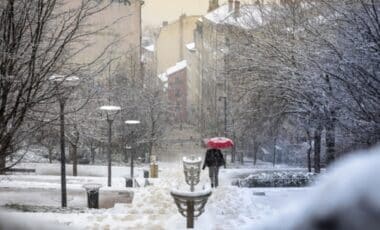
(346, 198)
(13, 222)
(276, 179)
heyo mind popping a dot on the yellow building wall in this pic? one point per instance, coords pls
(119, 33)
(154, 12)
(171, 41)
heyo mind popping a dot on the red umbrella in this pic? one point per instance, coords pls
(219, 143)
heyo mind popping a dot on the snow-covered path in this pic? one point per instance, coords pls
(154, 208)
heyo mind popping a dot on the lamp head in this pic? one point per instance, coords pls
(132, 122)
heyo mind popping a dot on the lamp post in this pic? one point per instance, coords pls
(63, 83)
(111, 112)
(127, 147)
(224, 98)
(132, 122)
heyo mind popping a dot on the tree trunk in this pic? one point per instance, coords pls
(255, 149)
(309, 151)
(241, 155)
(74, 150)
(330, 139)
(317, 150)
(330, 125)
(92, 151)
(274, 151)
(70, 153)
(233, 156)
(309, 159)
(150, 150)
(2, 164)
(50, 151)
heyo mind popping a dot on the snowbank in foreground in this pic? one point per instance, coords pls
(12, 221)
(346, 198)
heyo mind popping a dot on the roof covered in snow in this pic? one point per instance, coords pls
(248, 16)
(163, 77)
(149, 48)
(190, 46)
(173, 69)
(177, 67)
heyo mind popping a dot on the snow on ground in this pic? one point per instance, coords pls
(346, 197)
(152, 206)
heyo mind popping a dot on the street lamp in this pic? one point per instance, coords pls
(111, 112)
(132, 122)
(63, 83)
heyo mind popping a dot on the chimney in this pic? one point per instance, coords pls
(237, 8)
(230, 5)
(212, 5)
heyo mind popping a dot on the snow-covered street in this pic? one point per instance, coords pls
(152, 206)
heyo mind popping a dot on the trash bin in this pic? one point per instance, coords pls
(154, 170)
(92, 195)
(146, 174)
(128, 182)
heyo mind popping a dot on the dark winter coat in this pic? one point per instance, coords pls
(214, 157)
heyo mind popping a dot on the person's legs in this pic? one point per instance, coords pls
(216, 174)
(211, 175)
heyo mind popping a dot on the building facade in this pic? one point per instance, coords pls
(193, 85)
(177, 91)
(171, 41)
(216, 34)
(115, 36)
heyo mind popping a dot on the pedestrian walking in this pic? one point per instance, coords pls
(213, 160)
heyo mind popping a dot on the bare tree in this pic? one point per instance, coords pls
(297, 61)
(38, 38)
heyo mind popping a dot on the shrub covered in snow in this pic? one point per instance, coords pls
(276, 179)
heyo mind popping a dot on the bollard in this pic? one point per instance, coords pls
(154, 170)
(92, 195)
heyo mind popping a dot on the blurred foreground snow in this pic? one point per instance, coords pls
(347, 197)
